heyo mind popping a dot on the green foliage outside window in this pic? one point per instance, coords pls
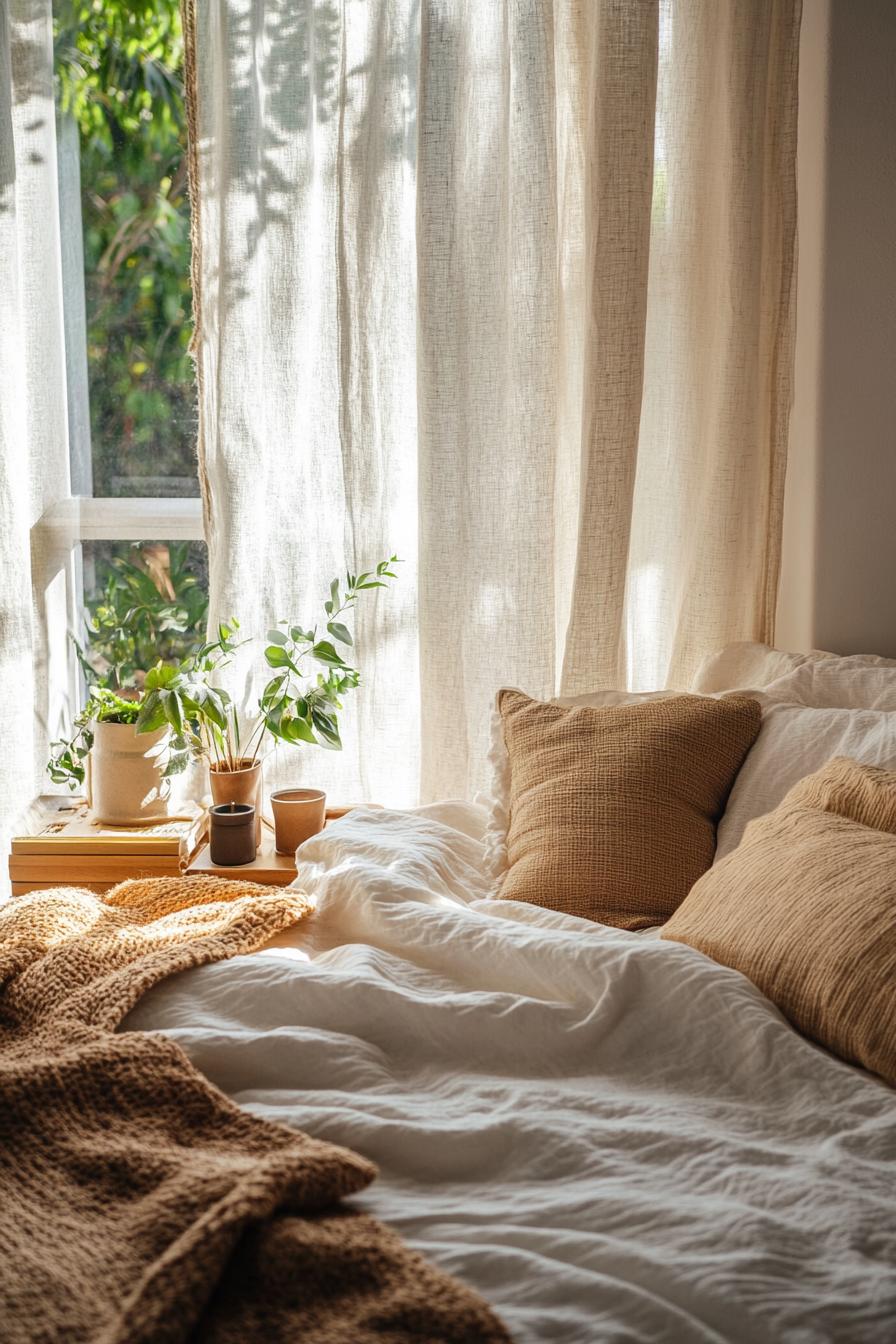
(119, 76)
(152, 607)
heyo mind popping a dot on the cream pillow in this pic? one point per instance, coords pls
(613, 810)
(805, 907)
(794, 741)
(837, 683)
(746, 664)
(822, 680)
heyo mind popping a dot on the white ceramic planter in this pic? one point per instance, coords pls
(124, 775)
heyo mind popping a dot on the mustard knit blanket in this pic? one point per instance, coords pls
(138, 1205)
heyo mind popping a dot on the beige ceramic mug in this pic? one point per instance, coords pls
(298, 814)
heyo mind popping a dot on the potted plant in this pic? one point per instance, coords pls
(122, 772)
(176, 713)
(149, 606)
(299, 704)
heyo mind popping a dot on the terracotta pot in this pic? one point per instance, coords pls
(238, 786)
(124, 775)
(298, 814)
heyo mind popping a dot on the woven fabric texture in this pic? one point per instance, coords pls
(613, 811)
(138, 1205)
(507, 289)
(806, 908)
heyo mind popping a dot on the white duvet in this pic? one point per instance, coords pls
(609, 1136)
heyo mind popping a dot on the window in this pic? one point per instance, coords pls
(134, 508)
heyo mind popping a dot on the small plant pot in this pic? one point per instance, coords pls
(242, 785)
(298, 814)
(231, 834)
(124, 775)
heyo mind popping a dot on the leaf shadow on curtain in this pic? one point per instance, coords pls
(23, 75)
(307, 144)
(285, 94)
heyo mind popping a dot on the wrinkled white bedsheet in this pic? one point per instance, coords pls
(609, 1136)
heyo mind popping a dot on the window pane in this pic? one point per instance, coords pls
(126, 245)
(144, 601)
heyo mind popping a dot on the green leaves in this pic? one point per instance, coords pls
(325, 653)
(66, 764)
(160, 676)
(152, 714)
(277, 656)
(173, 711)
(332, 605)
(295, 706)
(339, 631)
(377, 578)
(152, 608)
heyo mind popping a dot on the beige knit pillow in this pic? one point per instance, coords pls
(613, 811)
(806, 908)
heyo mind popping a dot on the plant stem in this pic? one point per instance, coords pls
(261, 733)
(236, 737)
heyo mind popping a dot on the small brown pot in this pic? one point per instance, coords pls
(238, 786)
(298, 814)
(231, 834)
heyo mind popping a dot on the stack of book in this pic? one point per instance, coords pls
(57, 844)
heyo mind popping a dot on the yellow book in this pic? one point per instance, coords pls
(62, 826)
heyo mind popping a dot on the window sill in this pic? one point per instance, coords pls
(124, 519)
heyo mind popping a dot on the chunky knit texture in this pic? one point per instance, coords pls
(806, 908)
(138, 1205)
(613, 811)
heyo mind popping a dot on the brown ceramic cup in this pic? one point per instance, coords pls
(231, 834)
(298, 814)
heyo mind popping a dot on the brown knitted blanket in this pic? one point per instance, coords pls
(138, 1205)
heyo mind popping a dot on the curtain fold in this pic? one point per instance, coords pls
(507, 289)
(33, 419)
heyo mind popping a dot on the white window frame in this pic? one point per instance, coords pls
(57, 537)
(58, 576)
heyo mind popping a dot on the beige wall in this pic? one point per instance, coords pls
(838, 581)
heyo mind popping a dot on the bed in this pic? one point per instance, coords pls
(608, 1135)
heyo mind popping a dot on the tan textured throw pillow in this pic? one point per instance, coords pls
(806, 908)
(613, 811)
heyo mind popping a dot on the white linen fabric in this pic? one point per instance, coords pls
(506, 289)
(855, 682)
(608, 1136)
(794, 741)
(826, 680)
(33, 420)
(815, 706)
(747, 663)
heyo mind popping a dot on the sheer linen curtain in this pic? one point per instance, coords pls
(33, 419)
(506, 288)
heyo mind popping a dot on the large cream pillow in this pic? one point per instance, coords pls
(806, 908)
(793, 742)
(613, 810)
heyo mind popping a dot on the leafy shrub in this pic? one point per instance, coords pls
(152, 608)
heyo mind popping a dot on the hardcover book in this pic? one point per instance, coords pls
(57, 827)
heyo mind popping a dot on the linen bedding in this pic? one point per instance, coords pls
(609, 1136)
